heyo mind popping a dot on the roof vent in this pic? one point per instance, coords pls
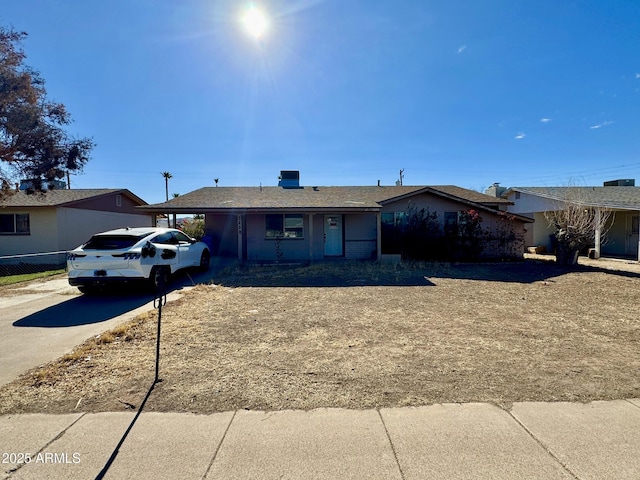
(625, 182)
(289, 179)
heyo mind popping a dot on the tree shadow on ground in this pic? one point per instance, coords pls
(351, 274)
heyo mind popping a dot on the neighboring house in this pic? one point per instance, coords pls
(619, 196)
(290, 222)
(57, 220)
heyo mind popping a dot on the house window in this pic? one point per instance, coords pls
(118, 200)
(284, 226)
(517, 195)
(14, 224)
(450, 222)
(394, 219)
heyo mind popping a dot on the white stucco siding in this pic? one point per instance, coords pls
(43, 236)
(524, 203)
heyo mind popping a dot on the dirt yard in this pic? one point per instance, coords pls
(361, 336)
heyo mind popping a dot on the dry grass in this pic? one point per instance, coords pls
(349, 336)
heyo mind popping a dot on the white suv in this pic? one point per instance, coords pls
(134, 254)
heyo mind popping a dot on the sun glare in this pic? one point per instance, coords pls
(255, 21)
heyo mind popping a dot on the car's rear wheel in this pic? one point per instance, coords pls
(87, 290)
(205, 260)
(159, 278)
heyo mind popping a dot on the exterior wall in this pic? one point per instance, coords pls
(525, 203)
(222, 233)
(359, 238)
(614, 243)
(107, 203)
(360, 241)
(76, 226)
(541, 231)
(57, 229)
(431, 202)
(493, 223)
(43, 236)
(260, 248)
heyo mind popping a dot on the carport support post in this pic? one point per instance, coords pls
(598, 233)
(639, 240)
(240, 234)
(311, 237)
(378, 235)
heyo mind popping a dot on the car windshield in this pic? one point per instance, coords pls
(112, 242)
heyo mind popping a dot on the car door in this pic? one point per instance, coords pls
(167, 251)
(188, 252)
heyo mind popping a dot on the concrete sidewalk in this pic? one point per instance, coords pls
(599, 440)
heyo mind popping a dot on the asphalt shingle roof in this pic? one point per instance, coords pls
(344, 198)
(57, 198)
(627, 198)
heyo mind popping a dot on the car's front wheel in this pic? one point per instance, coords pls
(159, 278)
(205, 260)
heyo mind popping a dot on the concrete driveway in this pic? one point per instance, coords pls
(42, 320)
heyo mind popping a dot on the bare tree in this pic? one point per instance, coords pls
(577, 224)
(34, 143)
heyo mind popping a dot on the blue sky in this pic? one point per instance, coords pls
(349, 92)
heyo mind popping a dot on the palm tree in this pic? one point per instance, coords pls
(166, 176)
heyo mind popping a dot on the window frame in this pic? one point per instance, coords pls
(18, 222)
(399, 220)
(279, 221)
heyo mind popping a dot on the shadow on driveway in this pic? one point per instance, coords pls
(84, 310)
(116, 301)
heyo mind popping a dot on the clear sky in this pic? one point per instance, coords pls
(462, 92)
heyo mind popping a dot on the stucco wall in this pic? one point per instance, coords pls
(359, 238)
(43, 235)
(432, 202)
(108, 203)
(615, 243)
(260, 248)
(223, 233)
(64, 228)
(495, 224)
(76, 226)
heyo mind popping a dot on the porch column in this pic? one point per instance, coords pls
(240, 218)
(311, 237)
(598, 233)
(378, 235)
(639, 239)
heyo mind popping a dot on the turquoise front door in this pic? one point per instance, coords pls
(333, 236)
